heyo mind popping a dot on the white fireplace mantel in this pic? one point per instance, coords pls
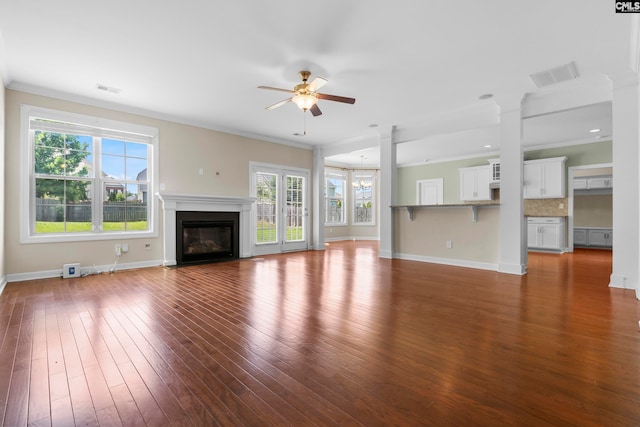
(173, 202)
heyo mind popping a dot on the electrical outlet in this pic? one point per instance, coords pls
(125, 248)
(147, 246)
(70, 270)
(118, 249)
(449, 244)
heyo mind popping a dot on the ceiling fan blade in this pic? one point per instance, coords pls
(315, 110)
(316, 84)
(278, 104)
(275, 88)
(336, 98)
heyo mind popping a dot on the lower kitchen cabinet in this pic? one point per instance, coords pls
(546, 233)
(598, 237)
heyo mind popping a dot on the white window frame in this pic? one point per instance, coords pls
(341, 174)
(109, 127)
(368, 175)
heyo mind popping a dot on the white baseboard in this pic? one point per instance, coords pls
(616, 281)
(449, 261)
(3, 283)
(517, 269)
(84, 271)
(341, 239)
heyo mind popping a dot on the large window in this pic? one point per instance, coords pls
(335, 184)
(363, 200)
(85, 178)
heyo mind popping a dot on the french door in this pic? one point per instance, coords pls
(280, 213)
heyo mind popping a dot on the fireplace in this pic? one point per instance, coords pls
(203, 237)
(173, 203)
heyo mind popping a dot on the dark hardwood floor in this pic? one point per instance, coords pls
(336, 337)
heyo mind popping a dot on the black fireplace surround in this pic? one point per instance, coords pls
(203, 237)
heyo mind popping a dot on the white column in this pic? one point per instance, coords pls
(388, 185)
(626, 207)
(318, 199)
(513, 254)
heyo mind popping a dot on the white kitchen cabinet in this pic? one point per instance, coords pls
(580, 184)
(580, 237)
(593, 183)
(494, 169)
(600, 182)
(474, 183)
(545, 178)
(546, 233)
(601, 237)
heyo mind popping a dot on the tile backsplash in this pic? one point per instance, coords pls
(546, 207)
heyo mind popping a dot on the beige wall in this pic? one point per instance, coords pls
(593, 210)
(3, 189)
(427, 235)
(183, 150)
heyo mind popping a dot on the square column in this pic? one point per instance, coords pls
(513, 255)
(388, 189)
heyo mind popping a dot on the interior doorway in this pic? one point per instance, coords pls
(590, 193)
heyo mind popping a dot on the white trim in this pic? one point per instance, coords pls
(84, 271)
(352, 238)
(617, 281)
(449, 261)
(3, 283)
(570, 201)
(173, 202)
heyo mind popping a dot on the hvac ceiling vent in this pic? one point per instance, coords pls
(559, 74)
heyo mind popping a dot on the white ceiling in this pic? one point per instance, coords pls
(415, 65)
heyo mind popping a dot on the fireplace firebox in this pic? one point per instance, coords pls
(203, 237)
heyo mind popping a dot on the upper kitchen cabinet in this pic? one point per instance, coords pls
(545, 178)
(474, 183)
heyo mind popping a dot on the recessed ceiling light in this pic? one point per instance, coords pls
(594, 130)
(486, 96)
(487, 146)
(373, 125)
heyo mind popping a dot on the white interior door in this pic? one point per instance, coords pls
(280, 214)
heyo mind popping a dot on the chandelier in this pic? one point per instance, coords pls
(361, 184)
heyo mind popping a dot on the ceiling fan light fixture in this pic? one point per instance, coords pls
(304, 101)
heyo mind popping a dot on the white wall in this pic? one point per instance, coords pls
(183, 151)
